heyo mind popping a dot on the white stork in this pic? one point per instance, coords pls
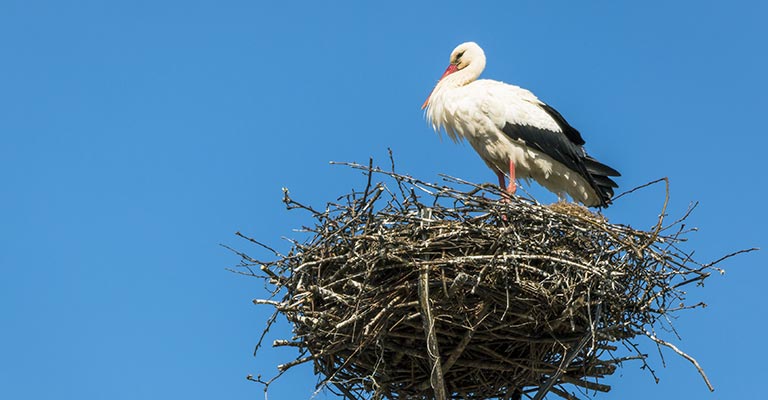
(514, 132)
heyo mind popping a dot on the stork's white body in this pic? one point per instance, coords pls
(479, 111)
(485, 112)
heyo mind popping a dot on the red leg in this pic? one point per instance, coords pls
(502, 183)
(504, 197)
(512, 185)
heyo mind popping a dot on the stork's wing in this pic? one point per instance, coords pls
(570, 132)
(548, 132)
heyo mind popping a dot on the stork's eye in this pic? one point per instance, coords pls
(459, 55)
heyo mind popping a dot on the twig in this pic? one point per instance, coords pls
(682, 354)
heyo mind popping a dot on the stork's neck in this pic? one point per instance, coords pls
(437, 100)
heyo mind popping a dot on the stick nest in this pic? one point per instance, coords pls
(408, 289)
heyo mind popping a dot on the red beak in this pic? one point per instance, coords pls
(451, 69)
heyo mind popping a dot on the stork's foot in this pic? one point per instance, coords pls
(508, 192)
(512, 187)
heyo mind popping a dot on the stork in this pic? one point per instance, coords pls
(515, 133)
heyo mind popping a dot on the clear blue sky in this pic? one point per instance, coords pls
(135, 136)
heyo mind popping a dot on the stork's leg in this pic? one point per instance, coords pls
(512, 187)
(502, 185)
(504, 197)
(502, 182)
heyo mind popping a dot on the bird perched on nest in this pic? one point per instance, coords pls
(514, 132)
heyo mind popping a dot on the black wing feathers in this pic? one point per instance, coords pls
(596, 167)
(565, 148)
(569, 131)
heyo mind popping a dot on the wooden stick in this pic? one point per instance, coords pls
(436, 377)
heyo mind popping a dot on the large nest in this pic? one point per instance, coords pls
(417, 290)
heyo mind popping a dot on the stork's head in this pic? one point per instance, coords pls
(465, 54)
(468, 58)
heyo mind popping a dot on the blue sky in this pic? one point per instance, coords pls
(135, 137)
